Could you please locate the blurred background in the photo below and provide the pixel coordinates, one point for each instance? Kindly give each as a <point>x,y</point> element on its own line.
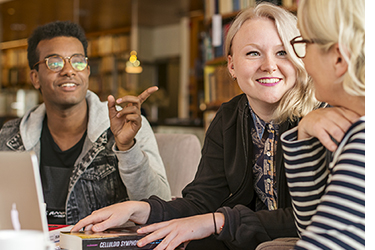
<point>133,44</point>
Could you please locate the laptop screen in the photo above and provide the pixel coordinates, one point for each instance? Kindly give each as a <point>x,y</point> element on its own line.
<point>20,185</point>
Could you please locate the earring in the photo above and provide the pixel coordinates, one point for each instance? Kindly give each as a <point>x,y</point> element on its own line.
<point>233,76</point>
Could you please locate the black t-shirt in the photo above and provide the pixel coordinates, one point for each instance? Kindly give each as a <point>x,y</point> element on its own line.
<point>56,168</point>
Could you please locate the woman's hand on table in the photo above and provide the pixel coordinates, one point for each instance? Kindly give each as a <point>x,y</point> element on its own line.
<point>178,231</point>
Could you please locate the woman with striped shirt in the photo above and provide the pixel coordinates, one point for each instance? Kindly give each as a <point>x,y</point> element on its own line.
<point>329,203</point>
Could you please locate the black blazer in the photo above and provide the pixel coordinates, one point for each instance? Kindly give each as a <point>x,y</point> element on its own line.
<point>225,179</point>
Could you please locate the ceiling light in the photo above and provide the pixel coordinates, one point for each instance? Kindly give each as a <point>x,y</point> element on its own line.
<point>133,66</point>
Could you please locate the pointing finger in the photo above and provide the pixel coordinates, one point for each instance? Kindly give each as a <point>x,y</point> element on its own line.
<point>145,94</point>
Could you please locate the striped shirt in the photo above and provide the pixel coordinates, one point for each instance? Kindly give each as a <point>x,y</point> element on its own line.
<point>329,204</point>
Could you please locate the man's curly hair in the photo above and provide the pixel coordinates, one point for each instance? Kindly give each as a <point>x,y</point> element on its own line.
<point>52,30</point>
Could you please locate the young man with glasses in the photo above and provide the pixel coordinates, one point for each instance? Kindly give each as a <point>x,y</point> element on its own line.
<point>91,154</point>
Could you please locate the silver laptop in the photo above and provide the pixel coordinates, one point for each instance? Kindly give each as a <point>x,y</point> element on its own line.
<point>20,184</point>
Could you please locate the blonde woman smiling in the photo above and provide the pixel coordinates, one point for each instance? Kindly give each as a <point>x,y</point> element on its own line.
<point>239,197</point>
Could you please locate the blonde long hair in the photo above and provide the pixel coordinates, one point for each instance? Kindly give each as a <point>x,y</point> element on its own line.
<point>342,22</point>
<point>299,100</point>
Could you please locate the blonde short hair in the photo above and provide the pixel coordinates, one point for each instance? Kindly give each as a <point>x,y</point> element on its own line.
<point>341,22</point>
<point>299,100</point>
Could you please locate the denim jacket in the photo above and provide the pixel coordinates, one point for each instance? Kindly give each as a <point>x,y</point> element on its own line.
<point>102,175</point>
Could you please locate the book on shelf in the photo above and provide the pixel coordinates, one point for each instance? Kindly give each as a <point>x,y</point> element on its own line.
<point>225,6</point>
<point>121,43</point>
<point>215,49</point>
<point>219,50</point>
<point>108,44</point>
<point>218,85</point>
<point>208,74</point>
<point>114,238</point>
<point>93,47</point>
<point>105,44</point>
<point>107,64</point>
<point>276,2</point>
<point>208,48</point>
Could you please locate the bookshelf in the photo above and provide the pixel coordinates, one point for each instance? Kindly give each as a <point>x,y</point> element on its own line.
<point>107,52</point>
<point>109,49</point>
<point>17,93</point>
<point>196,87</point>
<point>15,69</point>
<point>218,85</point>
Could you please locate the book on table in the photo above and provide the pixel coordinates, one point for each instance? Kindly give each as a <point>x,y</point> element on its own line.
<point>114,238</point>
<point>54,232</point>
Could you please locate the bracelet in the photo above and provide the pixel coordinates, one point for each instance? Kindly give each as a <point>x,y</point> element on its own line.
<point>214,222</point>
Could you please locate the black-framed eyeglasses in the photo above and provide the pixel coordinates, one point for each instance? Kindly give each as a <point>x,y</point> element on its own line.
<point>299,46</point>
<point>56,62</point>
